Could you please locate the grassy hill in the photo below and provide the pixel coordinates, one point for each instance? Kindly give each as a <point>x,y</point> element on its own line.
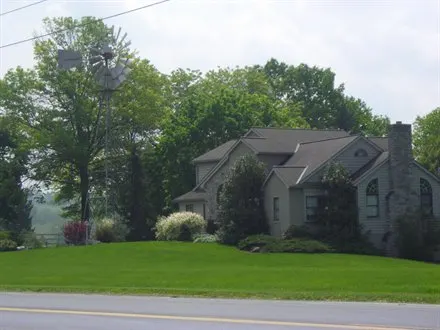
<point>172,268</point>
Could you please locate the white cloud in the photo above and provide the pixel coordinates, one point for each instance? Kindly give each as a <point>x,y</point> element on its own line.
<point>386,52</point>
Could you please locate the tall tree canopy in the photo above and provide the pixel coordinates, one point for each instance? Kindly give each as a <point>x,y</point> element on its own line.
<point>61,110</point>
<point>427,140</point>
<point>15,207</point>
<point>323,104</point>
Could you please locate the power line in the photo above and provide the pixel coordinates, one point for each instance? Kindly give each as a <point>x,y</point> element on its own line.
<point>84,24</point>
<point>20,8</point>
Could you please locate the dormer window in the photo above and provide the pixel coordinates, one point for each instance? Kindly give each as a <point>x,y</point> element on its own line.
<point>361,153</point>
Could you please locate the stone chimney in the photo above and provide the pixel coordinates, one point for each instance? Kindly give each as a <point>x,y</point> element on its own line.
<point>402,197</point>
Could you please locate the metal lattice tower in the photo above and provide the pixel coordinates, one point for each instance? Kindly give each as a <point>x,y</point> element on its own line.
<point>110,68</point>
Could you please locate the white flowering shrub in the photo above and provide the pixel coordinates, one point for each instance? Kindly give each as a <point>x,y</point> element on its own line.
<point>111,230</point>
<point>180,226</point>
<point>205,238</point>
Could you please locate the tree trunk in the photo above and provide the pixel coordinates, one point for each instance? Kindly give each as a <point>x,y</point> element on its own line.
<point>84,189</point>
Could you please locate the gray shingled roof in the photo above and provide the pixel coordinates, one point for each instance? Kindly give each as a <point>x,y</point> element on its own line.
<point>273,140</point>
<point>297,135</point>
<point>215,154</point>
<point>191,196</point>
<point>289,174</point>
<point>381,142</point>
<point>315,154</point>
<point>268,146</point>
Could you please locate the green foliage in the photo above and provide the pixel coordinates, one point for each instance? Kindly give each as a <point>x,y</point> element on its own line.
<point>298,232</point>
<point>111,230</point>
<point>417,237</point>
<point>339,209</point>
<point>5,234</point>
<point>266,243</point>
<point>180,226</point>
<point>205,238</point>
<point>322,103</point>
<point>15,206</point>
<point>7,245</point>
<point>426,140</point>
<point>339,241</point>
<point>209,110</point>
<point>241,206</point>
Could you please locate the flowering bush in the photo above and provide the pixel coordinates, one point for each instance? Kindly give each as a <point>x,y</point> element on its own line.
<point>110,230</point>
<point>75,232</point>
<point>180,226</point>
<point>205,238</point>
<point>7,245</point>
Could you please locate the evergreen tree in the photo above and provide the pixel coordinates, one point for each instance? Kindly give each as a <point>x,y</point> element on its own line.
<point>241,207</point>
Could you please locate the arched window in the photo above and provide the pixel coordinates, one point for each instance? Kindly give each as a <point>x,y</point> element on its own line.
<point>373,199</point>
<point>219,192</point>
<point>426,197</point>
<point>361,153</point>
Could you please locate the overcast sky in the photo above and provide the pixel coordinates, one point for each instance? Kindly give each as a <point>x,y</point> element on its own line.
<point>385,52</point>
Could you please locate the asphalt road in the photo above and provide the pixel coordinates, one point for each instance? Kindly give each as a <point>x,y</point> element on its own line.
<point>60,311</point>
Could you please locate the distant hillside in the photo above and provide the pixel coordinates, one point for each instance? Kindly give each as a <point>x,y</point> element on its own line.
<point>46,217</point>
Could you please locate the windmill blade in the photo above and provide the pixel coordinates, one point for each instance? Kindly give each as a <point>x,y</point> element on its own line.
<point>127,45</point>
<point>95,51</point>
<point>119,32</point>
<point>68,59</point>
<point>97,67</point>
<point>95,59</point>
<point>117,71</point>
<point>123,38</point>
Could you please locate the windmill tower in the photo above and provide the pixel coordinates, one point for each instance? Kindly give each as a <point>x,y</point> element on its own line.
<point>110,69</point>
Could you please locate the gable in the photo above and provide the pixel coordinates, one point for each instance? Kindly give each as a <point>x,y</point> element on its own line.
<point>353,157</point>
<point>216,154</point>
<point>315,155</point>
<point>218,173</point>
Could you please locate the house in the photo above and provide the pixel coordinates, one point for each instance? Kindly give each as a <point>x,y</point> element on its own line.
<point>387,178</point>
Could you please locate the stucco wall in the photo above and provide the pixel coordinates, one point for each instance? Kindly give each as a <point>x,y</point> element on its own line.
<point>297,207</point>
<point>271,160</point>
<point>211,186</point>
<point>276,188</point>
<point>198,207</point>
<point>202,169</point>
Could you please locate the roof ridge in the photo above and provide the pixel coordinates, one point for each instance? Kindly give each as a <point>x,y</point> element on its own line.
<point>330,139</point>
<point>289,166</point>
<point>254,137</point>
<point>300,129</point>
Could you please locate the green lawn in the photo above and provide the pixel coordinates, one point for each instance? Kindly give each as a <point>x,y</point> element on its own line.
<point>217,271</point>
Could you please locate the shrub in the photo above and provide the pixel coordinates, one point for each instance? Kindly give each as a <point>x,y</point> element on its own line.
<point>265,243</point>
<point>205,238</point>
<point>241,207</point>
<point>7,245</point>
<point>31,241</point>
<point>75,232</point>
<point>108,230</point>
<point>417,237</point>
<point>211,227</point>
<point>341,241</point>
<point>180,226</point>
<point>298,232</point>
<point>5,234</point>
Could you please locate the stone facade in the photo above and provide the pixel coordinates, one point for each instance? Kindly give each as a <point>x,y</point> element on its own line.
<point>402,197</point>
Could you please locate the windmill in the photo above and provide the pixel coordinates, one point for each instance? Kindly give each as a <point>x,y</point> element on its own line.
<point>110,69</point>
<point>109,65</point>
